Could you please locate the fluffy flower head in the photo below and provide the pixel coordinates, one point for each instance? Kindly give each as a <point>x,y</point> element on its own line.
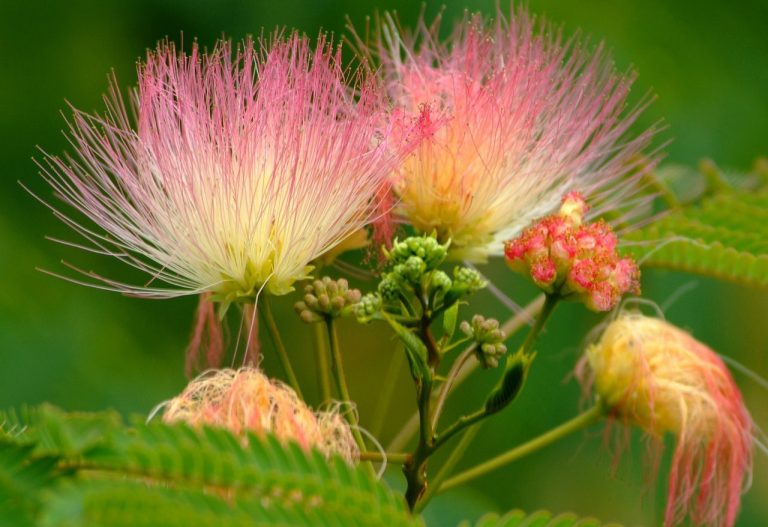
<point>656,376</point>
<point>573,259</point>
<point>512,118</point>
<point>243,166</point>
<point>246,400</point>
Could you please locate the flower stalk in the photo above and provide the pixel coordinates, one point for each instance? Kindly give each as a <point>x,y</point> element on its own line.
<point>282,353</point>
<point>337,368</point>
<point>581,421</point>
<point>510,327</point>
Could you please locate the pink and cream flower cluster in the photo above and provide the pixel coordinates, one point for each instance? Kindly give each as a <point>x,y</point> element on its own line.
<point>513,116</point>
<point>236,169</point>
<point>239,168</point>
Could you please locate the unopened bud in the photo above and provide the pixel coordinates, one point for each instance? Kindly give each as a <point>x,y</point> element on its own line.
<point>426,248</point>
<point>489,339</point>
<point>326,298</point>
<point>468,278</point>
<point>368,306</point>
<point>441,281</point>
<point>574,208</point>
<point>575,260</point>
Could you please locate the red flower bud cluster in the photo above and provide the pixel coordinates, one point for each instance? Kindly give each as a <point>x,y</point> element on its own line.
<point>576,260</point>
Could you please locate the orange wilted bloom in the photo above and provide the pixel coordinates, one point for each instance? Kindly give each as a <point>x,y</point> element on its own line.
<point>246,400</point>
<point>656,376</point>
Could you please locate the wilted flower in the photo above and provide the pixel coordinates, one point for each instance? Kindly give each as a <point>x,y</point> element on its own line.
<point>572,259</point>
<point>245,400</point>
<point>656,376</point>
<point>513,117</point>
<point>239,172</point>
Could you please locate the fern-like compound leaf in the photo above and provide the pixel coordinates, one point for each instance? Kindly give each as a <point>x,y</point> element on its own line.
<point>92,470</point>
<point>518,518</point>
<point>722,233</point>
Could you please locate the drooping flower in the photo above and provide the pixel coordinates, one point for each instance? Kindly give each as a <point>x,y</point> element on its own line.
<point>513,117</point>
<point>575,260</point>
<point>245,400</point>
<point>243,166</point>
<point>654,375</point>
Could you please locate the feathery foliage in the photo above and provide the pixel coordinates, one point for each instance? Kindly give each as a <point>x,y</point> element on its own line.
<point>90,469</point>
<point>518,518</point>
<point>721,232</point>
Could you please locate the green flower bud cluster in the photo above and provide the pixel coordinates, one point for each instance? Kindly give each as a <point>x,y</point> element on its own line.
<point>440,281</point>
<point>489,338</point>
<point>327,298</point>
<point>467,279</point>
<point>414,283</point>
<point>368,306</point>
<point>426,248</point>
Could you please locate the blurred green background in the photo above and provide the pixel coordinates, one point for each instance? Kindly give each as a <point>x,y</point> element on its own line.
<point>86,349</point>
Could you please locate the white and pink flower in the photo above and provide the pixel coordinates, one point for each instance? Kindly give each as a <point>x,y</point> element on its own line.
<point>238,169</point>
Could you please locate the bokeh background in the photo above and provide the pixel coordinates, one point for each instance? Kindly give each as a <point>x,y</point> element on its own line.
<point>85,349</point>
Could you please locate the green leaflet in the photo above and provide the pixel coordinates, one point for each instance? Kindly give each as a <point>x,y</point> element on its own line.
<point>510,385</point>
<point>415,349</point>
<point>723,233</point>
<point>449,321</point>
<point>91,470</point>
<point>517,518</point>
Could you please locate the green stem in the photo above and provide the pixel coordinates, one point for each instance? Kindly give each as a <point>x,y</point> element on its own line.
<point>456,367</point>
<point>390,457</point>
<point>550,301</point>
<point>323,368</point>
<point>583,420</point>
<point>460,424</point>
<point>387,390</point>
<point>436,482</point>
<point>415,469</point>
<point>279,346</point>
<point>510,327</point>
<point>341,381</point>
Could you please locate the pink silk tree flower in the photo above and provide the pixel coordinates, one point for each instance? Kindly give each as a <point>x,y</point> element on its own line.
<point>513,118</point>
<point>241,167</point>
<point>653,375</point>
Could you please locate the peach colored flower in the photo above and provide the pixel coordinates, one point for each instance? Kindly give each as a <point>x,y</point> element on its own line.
<point>655,376</point>
<point>245,400</point>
